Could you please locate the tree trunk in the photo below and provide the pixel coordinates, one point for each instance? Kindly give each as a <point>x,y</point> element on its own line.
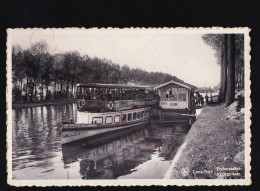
<point>47,92</point>
<point>35,92</point>
<point>243,78</point>
<point>224,69</point>
<point>239,76</point>
<point>21,85</point>
<point>42,92</point>
<point>72,88</point>
<point>230,94</point>
<point>55,88</point>
<point>61,86</point>
<point>26,90</point>
<point>67,89</point>
<point>32,89</point>
<point>236,80</point>
<point>240,79</point>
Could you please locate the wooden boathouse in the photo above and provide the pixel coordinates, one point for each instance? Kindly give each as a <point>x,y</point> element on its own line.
<point>176,95</point>
<point>176,103</point>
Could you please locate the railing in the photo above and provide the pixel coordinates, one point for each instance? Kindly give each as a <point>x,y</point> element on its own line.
<point>114,105</point>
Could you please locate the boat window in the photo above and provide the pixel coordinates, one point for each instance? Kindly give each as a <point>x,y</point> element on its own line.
<point>117,119</point>
<point>97,120</point>
<point>109,120</point>
<point>142,115</point>
<point>138,115</point>
<point>134,116</point>
<point>123,118</point>
<point>130,117</point>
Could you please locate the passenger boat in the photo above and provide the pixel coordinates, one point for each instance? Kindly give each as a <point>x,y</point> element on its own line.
<point>106,108</point>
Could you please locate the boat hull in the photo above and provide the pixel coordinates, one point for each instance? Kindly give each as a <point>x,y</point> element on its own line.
<point>75,132</point>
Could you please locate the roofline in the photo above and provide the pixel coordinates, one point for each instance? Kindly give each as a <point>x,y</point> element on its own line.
<point>178,83</point>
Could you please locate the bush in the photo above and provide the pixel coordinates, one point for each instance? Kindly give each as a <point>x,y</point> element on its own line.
<point>17,94</point>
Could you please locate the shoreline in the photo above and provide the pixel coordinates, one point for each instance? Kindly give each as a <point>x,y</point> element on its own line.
<point>212,149</point>
<point>26,105</point>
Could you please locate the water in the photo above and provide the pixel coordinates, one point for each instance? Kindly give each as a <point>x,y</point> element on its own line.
<point>38,154</point>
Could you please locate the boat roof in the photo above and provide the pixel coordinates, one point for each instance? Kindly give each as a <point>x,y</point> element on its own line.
<point>183,84</point>
<point>99,85</point>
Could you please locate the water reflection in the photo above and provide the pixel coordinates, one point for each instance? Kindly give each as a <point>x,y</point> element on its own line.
<point>36,138</point>
<point>38,154</point>
<point>123,156</point>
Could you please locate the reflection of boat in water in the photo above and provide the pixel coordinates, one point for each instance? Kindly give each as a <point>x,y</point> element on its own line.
<point>121,156</point>
<point>109,160</point>
<point>96,117</point>
<point>105,146</point>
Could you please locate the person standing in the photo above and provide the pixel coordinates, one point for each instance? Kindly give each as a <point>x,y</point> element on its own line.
<point>207,99</point>
<point>193,103</point>
<point>201,100</point>
<point>198,98</point>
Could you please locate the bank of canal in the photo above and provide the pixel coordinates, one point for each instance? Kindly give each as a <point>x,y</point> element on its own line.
<point>214,147</point>
<point>40,104</point>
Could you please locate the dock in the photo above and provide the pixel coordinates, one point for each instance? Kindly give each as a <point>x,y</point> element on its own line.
<point>162,116</point>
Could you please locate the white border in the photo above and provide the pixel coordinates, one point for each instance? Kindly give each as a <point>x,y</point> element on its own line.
<point>132,182</point>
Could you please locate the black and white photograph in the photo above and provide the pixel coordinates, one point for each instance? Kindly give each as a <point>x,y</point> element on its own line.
<point>159,106</point>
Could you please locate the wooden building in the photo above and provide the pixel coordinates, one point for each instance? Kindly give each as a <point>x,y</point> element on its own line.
<point>176,95</point>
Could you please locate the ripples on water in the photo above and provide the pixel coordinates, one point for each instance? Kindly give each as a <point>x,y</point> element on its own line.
<point>38,154</point>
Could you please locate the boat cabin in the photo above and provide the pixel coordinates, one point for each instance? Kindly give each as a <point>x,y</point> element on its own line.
<point>96,97</point>
<point>176,95</point>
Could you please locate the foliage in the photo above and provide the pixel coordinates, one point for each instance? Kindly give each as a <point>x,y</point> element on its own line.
<point>220,45</point>
<point>40,76</point>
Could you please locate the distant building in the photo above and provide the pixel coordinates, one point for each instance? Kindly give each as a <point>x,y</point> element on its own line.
<point>175,95</point>
<point>131,82</point>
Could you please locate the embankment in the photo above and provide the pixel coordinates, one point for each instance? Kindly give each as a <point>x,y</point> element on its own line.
<point>24,105</point>
<point>214,146</point>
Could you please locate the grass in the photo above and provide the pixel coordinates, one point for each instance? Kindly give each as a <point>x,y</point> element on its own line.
<point>212,145</point>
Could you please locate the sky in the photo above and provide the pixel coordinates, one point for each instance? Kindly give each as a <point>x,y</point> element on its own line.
<point>183,55</point>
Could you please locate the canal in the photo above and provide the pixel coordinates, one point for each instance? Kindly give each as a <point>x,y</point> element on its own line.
<point>37,152</point>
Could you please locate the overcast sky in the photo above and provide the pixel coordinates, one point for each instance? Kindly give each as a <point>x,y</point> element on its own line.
<point>185,56</point>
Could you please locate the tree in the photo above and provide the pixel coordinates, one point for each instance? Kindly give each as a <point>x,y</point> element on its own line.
<point>230,95</point>
<point>218,43</point>
<point>223,79</point>
<point>239,41</point>
<point>18,72</point>
<point>125,74</point>
<point>230,54</point>
<point>39,71</point>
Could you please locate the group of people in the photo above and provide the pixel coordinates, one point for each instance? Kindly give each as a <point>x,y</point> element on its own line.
<point>116,94</point>
<point>200,100</point>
